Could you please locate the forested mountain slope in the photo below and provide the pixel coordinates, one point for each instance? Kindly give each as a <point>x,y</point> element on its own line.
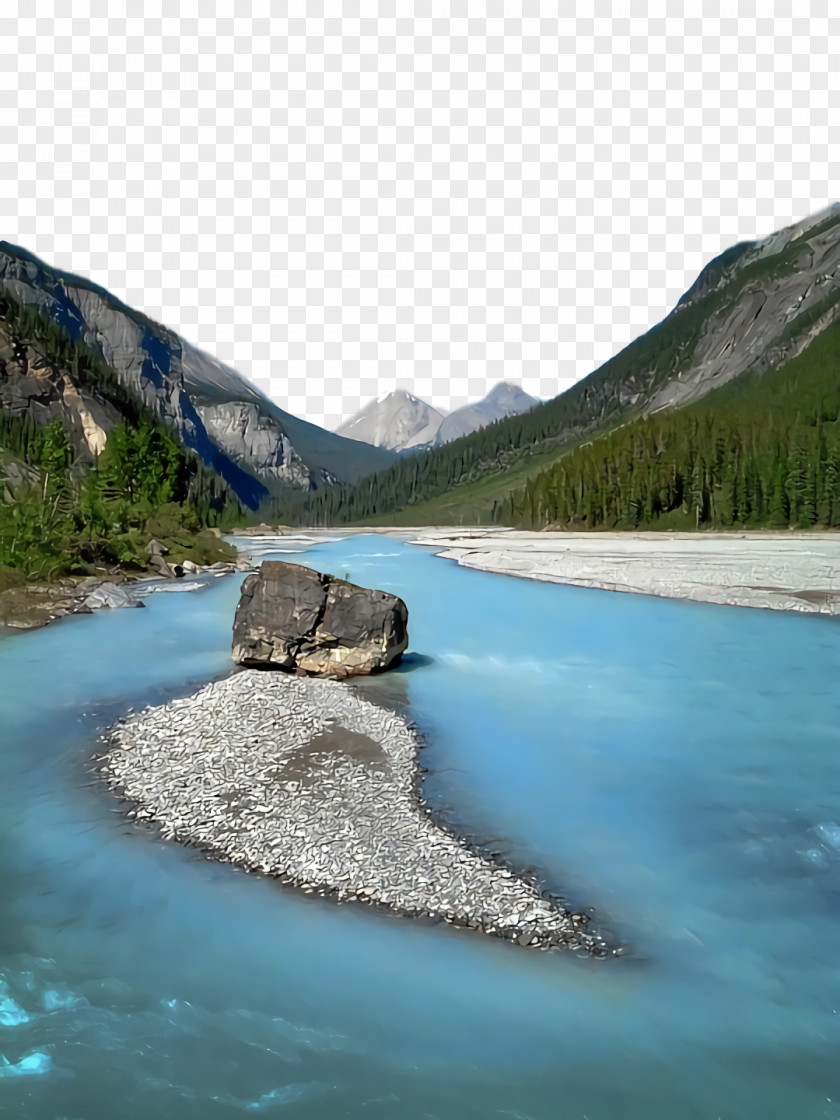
<point>761,451</point>
<point>754,308</point>
<point>253,445</point>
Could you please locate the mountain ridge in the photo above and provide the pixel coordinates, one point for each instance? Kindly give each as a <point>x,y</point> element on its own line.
<point>402,422</point>
<point>243,435</point>
<point>755,307</point>
<point>503,400</point>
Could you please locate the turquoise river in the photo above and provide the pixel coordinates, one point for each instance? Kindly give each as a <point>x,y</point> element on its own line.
<point>673,766</point>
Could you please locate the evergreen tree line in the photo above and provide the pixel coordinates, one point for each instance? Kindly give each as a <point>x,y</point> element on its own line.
<point>71,516</point>
<point>760,452</point>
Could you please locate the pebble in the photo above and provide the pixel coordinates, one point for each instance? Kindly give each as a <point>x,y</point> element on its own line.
<point>268,772</point>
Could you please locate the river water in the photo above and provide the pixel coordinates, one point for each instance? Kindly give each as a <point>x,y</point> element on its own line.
<point>674,766</point>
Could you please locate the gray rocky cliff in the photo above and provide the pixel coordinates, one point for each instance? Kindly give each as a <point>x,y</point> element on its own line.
<point>756,330</point>
<point>243,431</point>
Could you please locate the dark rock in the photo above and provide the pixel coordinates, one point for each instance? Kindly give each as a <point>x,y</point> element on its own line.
<point>290,617</point>
<point>161,567</point>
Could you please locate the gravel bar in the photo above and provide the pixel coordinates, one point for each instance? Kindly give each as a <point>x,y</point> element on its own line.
<point>784,571</point>
<point>305,780</point>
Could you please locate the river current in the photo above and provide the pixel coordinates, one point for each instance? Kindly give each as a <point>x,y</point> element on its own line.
<point>674,766</point>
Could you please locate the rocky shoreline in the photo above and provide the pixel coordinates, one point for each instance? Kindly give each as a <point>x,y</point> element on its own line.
<point>309,782</point>
<point>30,605</point>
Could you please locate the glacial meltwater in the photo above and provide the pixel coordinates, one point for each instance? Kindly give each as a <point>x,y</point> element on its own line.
<point>673,766</point>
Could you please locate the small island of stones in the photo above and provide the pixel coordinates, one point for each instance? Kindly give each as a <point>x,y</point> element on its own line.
<point>308,781</point>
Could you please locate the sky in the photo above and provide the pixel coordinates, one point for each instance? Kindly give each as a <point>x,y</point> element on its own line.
<point>342,199</point>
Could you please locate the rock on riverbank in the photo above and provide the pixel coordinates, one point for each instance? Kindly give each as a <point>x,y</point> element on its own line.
<point>305,780</point>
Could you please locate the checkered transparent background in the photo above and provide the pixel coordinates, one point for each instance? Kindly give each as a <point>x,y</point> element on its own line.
<point>339,199</point>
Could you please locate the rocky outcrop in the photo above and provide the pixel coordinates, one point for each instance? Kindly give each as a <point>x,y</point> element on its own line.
<point>162,568</point>
<point>240,428</point>
<point>33,385</point>
<point>112,596</point>
<point>290,617</point>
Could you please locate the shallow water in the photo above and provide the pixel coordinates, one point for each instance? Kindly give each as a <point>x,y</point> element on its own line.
<point>673,765</point>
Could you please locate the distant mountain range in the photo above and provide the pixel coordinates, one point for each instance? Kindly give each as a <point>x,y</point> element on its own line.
<point>72,354</point>
<point>399,421</point>
<point>256,447</point>
<point>396,421</point>
<point>592,457</point>
<point>502,401</point>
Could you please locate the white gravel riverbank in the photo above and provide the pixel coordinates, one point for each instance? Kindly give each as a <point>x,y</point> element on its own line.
<point>778,571</point>
<point>305,780</point>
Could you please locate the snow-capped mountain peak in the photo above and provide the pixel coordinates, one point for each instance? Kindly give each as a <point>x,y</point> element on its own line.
<point>396,420</point>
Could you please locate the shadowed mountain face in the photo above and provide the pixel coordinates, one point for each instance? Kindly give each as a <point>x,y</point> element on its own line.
<point>255,446</point>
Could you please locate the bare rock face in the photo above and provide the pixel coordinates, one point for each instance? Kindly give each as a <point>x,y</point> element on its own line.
<point>242,430</point>
<point>290,617</point>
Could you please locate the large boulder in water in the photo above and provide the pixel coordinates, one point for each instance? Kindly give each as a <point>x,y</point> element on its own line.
<point>291,617</point>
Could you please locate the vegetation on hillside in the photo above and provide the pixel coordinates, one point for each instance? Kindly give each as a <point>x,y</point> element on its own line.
<point>759,452</point>
<point>26,323</point>
<point>61,512</point>
<point>66,517</point>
